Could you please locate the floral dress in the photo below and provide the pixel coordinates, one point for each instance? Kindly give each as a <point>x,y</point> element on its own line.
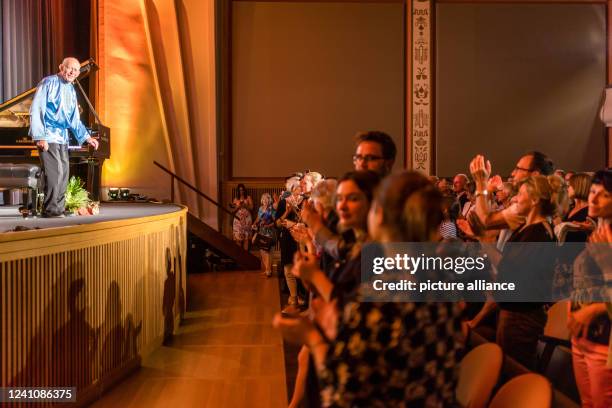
<point>394,354</point>
<point>266,217</point>
<point>242,222</point>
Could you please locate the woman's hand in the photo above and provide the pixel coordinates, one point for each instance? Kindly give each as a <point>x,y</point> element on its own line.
<point>310,215</point>
<point>465,227</point>
<point>600,248</point>
<point>299,232</point>
<point>305,266</point>
<point>480,171</point>
<point>495,183</point>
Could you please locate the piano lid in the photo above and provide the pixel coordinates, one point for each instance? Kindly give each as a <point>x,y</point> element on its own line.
<point>15,113</point>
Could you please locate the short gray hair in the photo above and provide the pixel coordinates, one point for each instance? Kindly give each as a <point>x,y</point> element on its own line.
<point>324,192</point>
<point>292,182</point>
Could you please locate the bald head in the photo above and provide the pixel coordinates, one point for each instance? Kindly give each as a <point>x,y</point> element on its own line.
<point>69,69</point>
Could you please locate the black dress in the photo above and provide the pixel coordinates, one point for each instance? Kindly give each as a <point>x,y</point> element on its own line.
<point>288,246</point>
<point>520,323</point>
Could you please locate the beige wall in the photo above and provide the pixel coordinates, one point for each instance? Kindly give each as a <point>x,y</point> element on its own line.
<point>511,78</point>
<point>198,45</point>
<point>131,107</point>
<point>159,96</point>
<point>306,77</point>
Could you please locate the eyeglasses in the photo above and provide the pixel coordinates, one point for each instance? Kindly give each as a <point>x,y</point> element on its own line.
<point>517,168</point>
<point>366,159</point>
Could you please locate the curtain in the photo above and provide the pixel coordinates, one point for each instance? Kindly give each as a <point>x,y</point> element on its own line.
<point>35,36</point>
<point>21,39</point>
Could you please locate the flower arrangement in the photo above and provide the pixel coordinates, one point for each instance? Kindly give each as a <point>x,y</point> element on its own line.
<point>77,199</point>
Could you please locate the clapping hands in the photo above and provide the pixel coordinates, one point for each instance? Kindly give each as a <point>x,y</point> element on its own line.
<point>480,170</point>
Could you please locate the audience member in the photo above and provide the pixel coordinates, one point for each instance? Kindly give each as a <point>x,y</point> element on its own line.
<point>287,216</point>
<point>375,152</point>
<point>521,324</point>
<point>243,205</point>
<point>460,184</point>
<point>387,354</point>
<point>589,323</point>
<point>265,226</point>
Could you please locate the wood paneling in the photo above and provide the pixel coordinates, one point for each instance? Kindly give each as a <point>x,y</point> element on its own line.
<point>81,306</point>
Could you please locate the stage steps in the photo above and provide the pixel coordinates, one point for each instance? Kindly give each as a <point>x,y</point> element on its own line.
<point>222,244</point>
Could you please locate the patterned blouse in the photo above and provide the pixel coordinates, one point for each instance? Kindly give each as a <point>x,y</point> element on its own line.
<point>590,286</point>
<point>394,354</point>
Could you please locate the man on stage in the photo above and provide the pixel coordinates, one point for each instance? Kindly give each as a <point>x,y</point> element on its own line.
<point>54,111</point>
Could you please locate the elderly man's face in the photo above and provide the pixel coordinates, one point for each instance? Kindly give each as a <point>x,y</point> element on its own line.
<point>459,184</point>
<point>70,69</point>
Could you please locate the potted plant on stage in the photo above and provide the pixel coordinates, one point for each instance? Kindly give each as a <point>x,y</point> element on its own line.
<point>77,199</point>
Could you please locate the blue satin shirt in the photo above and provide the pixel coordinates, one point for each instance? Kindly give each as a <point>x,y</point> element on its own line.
<point>54,110</point>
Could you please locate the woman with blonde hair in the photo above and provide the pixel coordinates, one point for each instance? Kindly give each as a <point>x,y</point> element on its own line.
<point>265,226</point>
<point>578,189</point>
<point>559,198</point>
<point>575,228</point>
<point>520,324</point>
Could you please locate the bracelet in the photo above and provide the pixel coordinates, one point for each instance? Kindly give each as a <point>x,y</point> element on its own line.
<point>481,193</point>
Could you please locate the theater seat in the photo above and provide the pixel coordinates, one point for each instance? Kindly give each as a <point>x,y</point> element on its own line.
<point>525,391</point>
<point>478,373</point>
<point>555,334</point>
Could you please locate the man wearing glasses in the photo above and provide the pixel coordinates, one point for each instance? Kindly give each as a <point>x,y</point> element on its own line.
<point>375,152</point>
<point>530,164</point>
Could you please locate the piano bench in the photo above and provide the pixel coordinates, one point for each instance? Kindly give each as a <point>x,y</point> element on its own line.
<point>25,177</point>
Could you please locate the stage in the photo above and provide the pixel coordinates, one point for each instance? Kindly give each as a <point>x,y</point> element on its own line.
<point>86,298</point>
<point>11,218</point>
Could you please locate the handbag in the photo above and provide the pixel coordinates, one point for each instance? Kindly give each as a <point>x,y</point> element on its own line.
<point>262,241</point>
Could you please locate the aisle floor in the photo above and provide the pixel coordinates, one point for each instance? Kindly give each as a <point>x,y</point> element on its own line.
<point>225,354</point>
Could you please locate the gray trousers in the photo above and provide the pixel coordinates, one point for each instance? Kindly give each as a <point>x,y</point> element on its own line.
<point>56,167</point>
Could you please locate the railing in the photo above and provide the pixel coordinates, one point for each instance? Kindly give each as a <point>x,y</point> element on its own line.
<point>191,187</point>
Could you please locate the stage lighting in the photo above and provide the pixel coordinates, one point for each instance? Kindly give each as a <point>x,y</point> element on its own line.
<point>113,193</point>
<point>124,193</point>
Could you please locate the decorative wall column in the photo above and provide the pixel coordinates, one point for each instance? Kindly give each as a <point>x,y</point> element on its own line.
<point>420,137</point>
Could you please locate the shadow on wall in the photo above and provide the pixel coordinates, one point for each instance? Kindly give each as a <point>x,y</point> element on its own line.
<point>120,337</point>
<point>174,268</point>
<point>78,354</point>
<point>169,298</point>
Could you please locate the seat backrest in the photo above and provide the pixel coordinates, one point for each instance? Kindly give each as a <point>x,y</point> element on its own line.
<point>525,391</point>
<point>556,323</point>
<point>478,373</point>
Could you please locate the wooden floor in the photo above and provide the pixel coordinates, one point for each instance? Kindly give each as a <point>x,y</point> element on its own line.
<point>226,353</point>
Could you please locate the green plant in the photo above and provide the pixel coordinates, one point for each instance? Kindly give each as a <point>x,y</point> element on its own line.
<point>76,195</point>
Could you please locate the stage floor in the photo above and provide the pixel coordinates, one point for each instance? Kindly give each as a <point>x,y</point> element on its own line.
<point>10,217</point>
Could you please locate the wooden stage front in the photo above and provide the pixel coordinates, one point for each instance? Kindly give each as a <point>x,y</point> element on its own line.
<point>84,299</point>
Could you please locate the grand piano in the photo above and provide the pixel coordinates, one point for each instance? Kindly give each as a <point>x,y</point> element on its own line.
<point>85,162</point>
